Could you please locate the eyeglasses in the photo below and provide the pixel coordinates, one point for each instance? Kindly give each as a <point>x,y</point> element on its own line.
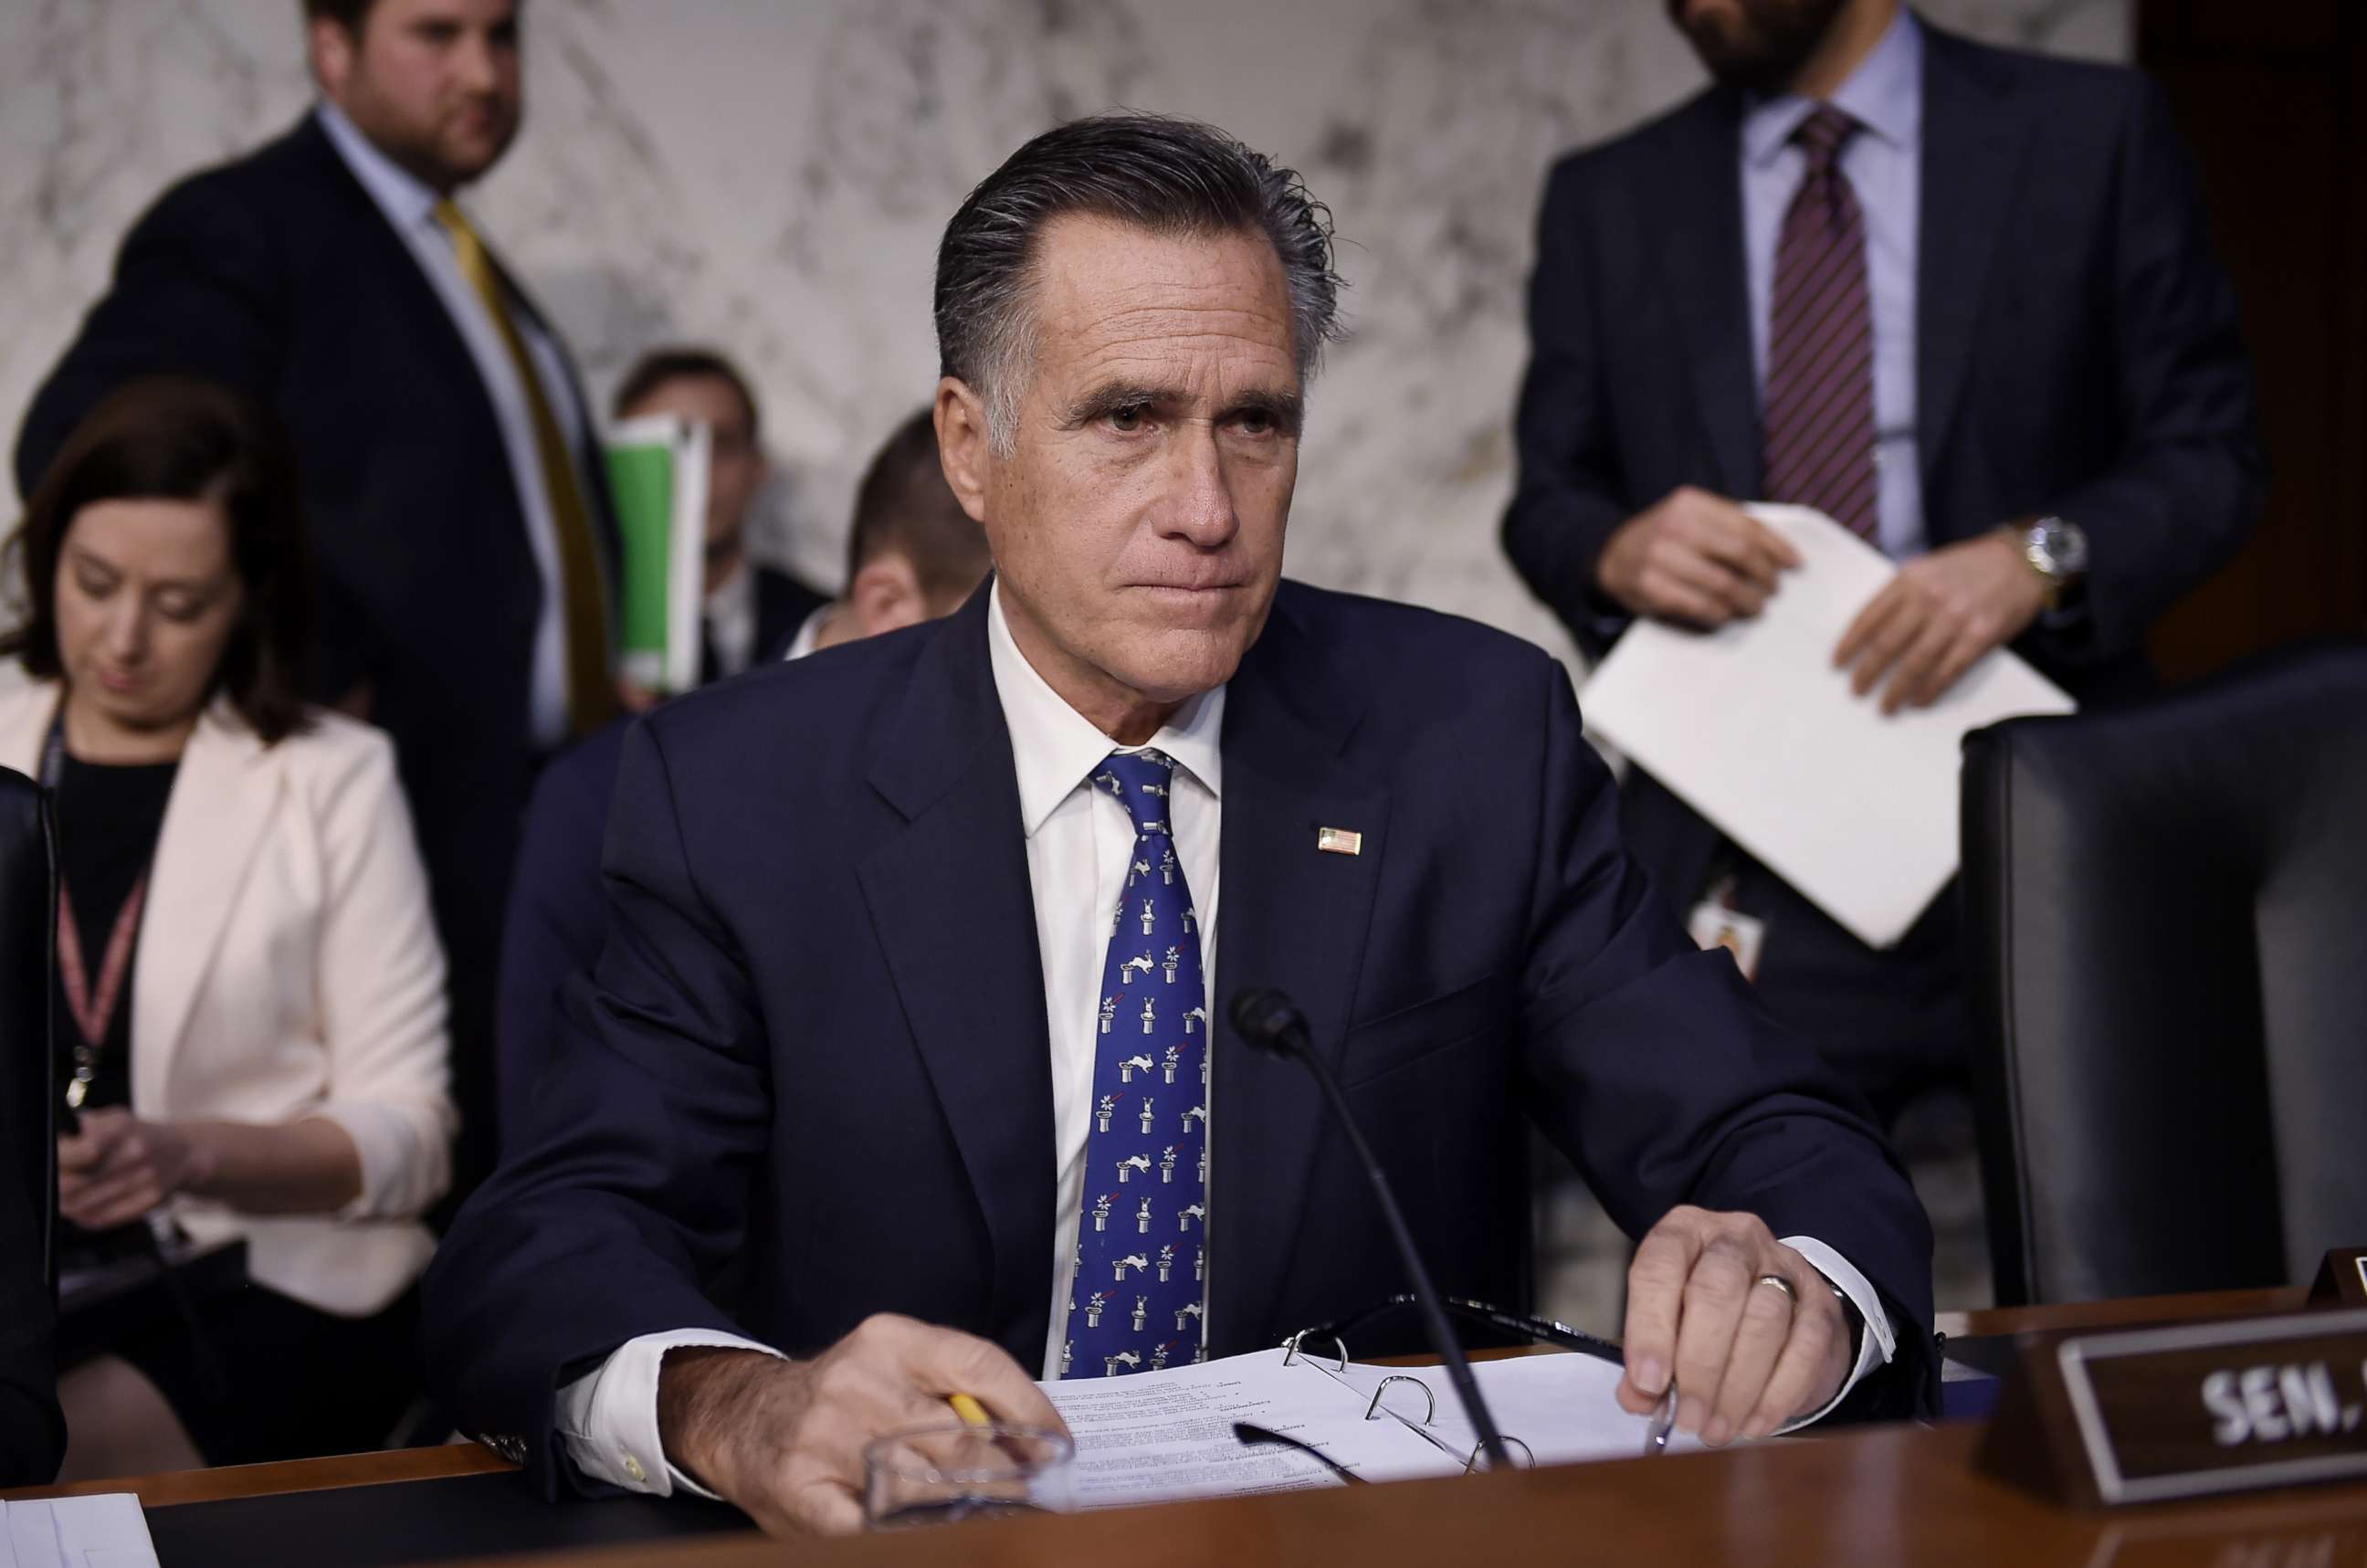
<point>1537,1330</point>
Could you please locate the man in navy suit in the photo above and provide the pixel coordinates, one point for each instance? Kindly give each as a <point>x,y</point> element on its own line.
<point>2011,364</point>
<point>837,1129</point>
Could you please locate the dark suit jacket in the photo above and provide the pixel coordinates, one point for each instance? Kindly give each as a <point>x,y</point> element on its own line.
<point>278,274</point>
<point>2076,354</point>
<point>816,1031</point>
<point>557,913</point>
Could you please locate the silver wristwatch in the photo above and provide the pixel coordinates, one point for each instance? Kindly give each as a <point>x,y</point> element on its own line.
<point>2057,551</point>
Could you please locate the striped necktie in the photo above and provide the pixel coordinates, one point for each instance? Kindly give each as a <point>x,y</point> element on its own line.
<point>1817,419</point>
<point>591,691</point>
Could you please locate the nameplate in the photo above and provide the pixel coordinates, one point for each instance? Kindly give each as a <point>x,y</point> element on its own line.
<point>2144,1416</point>
<point>2342,1278</point>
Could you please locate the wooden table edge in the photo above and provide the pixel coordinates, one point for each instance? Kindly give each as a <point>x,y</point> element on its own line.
<point>173,1488</point>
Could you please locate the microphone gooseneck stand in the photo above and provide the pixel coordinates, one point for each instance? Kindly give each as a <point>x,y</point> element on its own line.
<point>1271,1021</point>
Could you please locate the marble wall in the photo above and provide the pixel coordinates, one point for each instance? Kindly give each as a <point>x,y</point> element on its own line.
<point>771,176</point>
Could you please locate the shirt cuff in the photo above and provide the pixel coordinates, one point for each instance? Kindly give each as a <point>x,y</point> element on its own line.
<point>608,1418</point>
<point>1880,1340</point>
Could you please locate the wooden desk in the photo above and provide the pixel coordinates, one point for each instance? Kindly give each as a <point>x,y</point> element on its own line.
<point>1894,1493</point>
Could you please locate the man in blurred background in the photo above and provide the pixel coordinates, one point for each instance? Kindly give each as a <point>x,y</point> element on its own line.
<point>1959,299</point>
<point>464,538</point>
<point>913,555</point>
<point>750,612</point>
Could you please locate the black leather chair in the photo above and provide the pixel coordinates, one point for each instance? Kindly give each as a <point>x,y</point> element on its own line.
<point>32,1432</point>
<point>28,1138</point>
<point>2166,910</point>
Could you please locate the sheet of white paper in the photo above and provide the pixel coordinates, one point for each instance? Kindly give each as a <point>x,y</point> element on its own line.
<point>1561,1408</point>
<point>106,1530</point>
<point>1153,1437</point>
<point>1754,727</point>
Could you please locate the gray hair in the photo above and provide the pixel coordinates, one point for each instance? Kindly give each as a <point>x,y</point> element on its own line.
<point>1172,177</point>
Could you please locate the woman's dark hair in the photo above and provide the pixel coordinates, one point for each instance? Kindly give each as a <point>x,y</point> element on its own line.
<point>179,439</point>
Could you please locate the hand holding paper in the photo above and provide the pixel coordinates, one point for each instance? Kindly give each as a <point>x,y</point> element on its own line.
<point>1754,727</point>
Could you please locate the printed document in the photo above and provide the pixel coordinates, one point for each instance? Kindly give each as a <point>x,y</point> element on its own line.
<point>103,1531</point>
<point>1156,1436</point>
<point>1754,727</point>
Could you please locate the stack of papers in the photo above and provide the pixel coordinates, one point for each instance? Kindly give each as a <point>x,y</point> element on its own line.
<point>1754,727</point>
<point>103,1531</point>
<point>1156,1436</point>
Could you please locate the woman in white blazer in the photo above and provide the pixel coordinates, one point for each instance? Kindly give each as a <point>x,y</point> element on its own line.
<point>250,1011</point>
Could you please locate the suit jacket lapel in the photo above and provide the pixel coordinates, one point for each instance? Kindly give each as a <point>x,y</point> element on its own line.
<point>952,902</point>
<point>1696,208</point>
<point>1972,158</point>
<point>1290,915</point>
<point>223,802</point>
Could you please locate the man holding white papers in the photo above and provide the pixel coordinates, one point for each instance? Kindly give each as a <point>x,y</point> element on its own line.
<point>1959,299</point>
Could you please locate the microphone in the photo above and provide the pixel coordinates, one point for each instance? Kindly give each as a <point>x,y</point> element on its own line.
<point>1269,1020</point>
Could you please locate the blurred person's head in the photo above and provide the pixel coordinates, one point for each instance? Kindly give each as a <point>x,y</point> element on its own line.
<point>1127,313</point>
<point>913,554</point>
<point>166,561</point>
<point>1760,45</point>
<point>701,386</point>
<point>433,83</point>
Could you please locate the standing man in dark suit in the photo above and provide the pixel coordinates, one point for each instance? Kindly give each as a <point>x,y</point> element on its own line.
<point>1960,299</point>
<point>463,533</point>
<point>911,967</point>
<point>32,1429</point>
<point>750,613</point>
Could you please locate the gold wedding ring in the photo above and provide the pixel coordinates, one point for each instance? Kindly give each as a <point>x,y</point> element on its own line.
<point>1781,1284</point>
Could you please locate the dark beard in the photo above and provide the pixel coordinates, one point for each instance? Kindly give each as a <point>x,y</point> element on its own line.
<point>1762,50</point>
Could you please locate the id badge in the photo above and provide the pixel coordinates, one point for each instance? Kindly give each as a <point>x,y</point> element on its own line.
<point>1712,925</point>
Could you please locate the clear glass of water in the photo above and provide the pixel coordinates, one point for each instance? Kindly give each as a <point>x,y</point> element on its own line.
<point>942,1475</point>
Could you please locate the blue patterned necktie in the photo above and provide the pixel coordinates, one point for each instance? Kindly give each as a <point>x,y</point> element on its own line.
<point>1141,1267</point>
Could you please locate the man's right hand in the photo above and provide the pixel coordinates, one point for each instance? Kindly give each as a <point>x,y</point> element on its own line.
<point>783,1440</point>
<point>1694,557</point>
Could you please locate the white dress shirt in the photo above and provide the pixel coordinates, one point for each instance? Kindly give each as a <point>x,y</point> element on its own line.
<point>410,207</point>
<point>1079,844</point>
<point>729,617</point>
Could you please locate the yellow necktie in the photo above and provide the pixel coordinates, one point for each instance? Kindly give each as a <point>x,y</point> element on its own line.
<point>591,693</point>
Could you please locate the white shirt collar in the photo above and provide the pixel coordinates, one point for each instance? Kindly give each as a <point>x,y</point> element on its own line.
<point>1057,749</point>
<point>406,201</point>
<point>1884,95</point>
<point>809,636</point>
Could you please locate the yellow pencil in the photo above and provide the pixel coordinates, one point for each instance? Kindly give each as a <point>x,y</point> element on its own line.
<point>972,1412</point>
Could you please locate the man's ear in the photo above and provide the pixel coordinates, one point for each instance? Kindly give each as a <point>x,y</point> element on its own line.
<point>333,49</point>
<point>964,446</point>
<point>885,596</point>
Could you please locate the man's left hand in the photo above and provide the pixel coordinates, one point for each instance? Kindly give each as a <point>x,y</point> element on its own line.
<point>1748,1357</point>
<point>1938,615</point>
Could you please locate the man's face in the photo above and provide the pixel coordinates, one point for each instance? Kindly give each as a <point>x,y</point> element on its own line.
<point>1136,526</point>
<point>1755,44</point>
<point>433,83</point>
<point>736,465</point>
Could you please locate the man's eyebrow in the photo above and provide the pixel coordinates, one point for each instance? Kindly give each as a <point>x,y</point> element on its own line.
<point>1283,408</point>
<point>1287,410</point>
<point>1105,400</point>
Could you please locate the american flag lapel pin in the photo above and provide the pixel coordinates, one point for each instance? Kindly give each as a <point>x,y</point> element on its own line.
<point>1338,841</point>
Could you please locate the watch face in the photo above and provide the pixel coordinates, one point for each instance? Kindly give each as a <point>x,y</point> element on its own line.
<point>2063,545</point>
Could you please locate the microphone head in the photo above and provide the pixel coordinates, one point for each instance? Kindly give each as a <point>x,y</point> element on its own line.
<point>1268,1019</point>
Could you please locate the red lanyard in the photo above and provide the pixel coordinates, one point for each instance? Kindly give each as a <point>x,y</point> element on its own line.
<point>95,1009</point>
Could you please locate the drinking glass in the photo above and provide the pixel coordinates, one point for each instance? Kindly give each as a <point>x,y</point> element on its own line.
<point>948,1474</point>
